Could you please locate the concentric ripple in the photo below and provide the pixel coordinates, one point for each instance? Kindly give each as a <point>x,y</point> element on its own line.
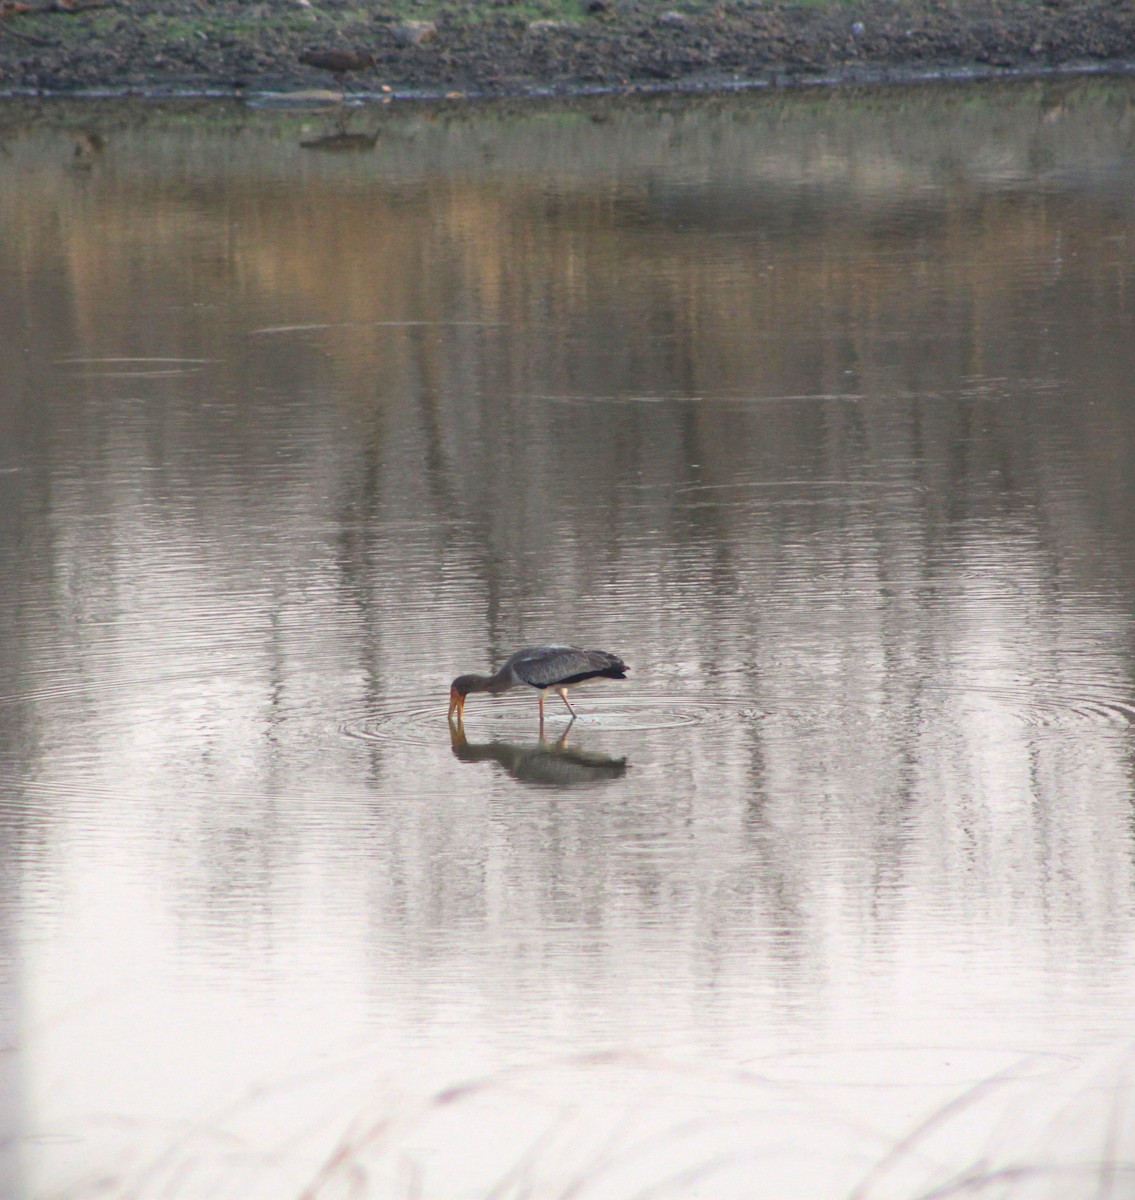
<point>1038,708</point>
<point>406,720</point>
<point>419,724</point>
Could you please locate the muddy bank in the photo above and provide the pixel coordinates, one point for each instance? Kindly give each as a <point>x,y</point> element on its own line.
<point>206,46</point>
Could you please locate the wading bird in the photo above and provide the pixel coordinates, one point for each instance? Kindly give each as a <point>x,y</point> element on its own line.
<point>545,668</point>
<point>338,62</point>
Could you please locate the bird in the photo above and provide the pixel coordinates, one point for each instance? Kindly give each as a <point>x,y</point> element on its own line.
<point>338,62</point>
<point>545,668</point>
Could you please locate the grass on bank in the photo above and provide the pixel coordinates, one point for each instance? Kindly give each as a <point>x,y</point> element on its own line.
<point>237,21</point>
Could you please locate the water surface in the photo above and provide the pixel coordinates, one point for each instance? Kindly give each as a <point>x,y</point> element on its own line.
<point>817,409</point>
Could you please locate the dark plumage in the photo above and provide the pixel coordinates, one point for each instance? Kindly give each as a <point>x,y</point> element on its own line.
<point>338,62</point>
<point>545,668</point>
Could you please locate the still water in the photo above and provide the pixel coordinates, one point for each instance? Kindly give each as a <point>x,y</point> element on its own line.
<point>818,409</point>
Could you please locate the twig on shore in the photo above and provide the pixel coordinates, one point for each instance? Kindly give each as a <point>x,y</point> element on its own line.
<point>11,9</point>
<point>17,9</point>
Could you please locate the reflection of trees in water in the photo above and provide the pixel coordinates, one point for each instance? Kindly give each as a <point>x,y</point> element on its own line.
<point>825,429</point>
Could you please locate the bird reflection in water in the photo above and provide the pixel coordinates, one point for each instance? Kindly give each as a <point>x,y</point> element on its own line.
<point>341,142</point>
<point>554,764</point>
<point>88,147</point>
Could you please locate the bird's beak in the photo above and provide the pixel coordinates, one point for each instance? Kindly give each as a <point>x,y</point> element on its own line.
<point>456,704</point>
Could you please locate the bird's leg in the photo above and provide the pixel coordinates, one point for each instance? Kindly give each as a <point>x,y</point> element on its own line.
<point>563,697</point>
<point>541,695</point>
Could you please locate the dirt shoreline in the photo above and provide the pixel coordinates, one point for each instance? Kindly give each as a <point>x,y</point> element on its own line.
<point>206,47</point>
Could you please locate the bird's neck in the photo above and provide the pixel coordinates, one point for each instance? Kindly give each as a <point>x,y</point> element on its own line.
<point>493,684</point>
<point>500,682</point>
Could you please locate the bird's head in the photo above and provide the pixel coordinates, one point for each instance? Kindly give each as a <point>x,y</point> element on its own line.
<point>458,690</point>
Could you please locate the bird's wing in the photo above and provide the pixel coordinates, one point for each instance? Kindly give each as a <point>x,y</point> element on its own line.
<point>547,666</point>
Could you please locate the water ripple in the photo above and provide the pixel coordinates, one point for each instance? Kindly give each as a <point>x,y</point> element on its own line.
<point>418,724</point>
<point>406,720</point>
<point>120,367</point>
<point>1036,708</point>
